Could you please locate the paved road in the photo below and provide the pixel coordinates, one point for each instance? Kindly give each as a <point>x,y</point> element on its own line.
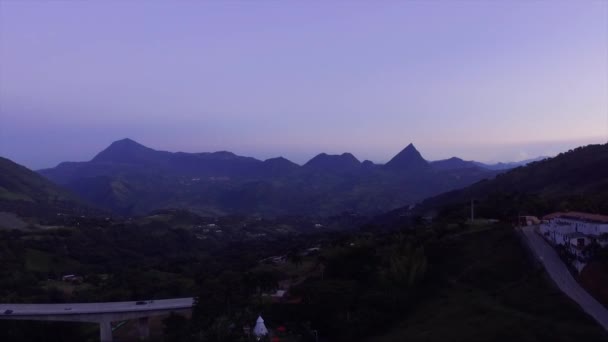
<point>558,271</point>
<point>94,308</point>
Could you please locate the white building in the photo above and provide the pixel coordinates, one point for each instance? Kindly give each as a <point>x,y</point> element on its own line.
<point>575,231</point>
<point>556,226</point>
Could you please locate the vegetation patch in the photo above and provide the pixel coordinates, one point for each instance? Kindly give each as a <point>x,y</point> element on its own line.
<point>482,288</point>
<point>43,262</point>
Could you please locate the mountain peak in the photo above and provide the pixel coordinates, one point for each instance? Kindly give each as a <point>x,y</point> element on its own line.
<point>126,143</point>
<point>279,160</point>
<point>408,159</point>
<point>279,166</point>
<point>334,162</point>
<point>124,150</point>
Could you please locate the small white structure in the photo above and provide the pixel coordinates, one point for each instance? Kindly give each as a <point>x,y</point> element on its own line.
<point>278,294</point>
<point>260,330</point>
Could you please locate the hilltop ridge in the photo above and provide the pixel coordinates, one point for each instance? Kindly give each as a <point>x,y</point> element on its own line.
<point>129,178</point>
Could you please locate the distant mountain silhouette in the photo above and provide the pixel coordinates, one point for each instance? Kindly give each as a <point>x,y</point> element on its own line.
<point>129,178</point>
<point>511,165</point>
<point>334,163</point>
<point>453,163</point>
<point>409,159</point>
<point>368,164</point>
<point>279,167</point>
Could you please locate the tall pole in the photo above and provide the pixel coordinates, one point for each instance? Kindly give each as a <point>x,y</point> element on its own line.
<point>472,210</point>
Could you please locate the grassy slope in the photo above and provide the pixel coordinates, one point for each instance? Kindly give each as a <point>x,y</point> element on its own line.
<point>20,183</point>
<point>484,287</point>
<point>28,194</point>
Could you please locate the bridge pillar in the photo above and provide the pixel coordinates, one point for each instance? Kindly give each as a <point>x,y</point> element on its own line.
<point>143,328</point>
<point>105,331</point>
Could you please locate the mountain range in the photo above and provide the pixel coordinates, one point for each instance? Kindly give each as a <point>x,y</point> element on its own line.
<point>129,179</point>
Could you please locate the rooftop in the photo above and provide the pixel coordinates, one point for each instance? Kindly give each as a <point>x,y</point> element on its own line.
<point>578,216</point>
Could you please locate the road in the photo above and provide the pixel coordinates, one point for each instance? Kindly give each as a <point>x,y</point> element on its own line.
<point>94,308</point>
<point>560,274</point>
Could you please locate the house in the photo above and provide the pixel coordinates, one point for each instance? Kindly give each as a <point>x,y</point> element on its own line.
<point>557,225</point>
<point>278,294</point>
<point>578,240</point>
<point>575,231</point>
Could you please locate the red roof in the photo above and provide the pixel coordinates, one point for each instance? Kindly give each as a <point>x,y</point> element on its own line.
<point>578,216</point>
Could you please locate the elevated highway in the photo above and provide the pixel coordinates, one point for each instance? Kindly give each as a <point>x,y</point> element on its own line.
<point>101,313</point>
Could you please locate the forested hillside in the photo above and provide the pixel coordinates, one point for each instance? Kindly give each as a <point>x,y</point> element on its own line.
<point>27,193</point>
<point>574,180</point>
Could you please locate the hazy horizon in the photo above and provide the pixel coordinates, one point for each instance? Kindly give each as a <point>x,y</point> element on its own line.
<point>544,149</point>
<point>485,81</point>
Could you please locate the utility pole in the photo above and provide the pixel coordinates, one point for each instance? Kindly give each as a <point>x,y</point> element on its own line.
<point>472,210</point>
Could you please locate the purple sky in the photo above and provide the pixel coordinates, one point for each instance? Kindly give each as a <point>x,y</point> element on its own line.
<point>484,80</point>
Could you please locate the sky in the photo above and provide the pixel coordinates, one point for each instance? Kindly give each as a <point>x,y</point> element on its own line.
<point>484,80</point>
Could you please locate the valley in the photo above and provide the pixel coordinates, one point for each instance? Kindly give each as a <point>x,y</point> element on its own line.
<point>341,277</point>
<point>303,171</point>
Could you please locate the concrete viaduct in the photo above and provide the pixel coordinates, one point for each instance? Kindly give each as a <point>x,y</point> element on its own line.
<point>101,313</point>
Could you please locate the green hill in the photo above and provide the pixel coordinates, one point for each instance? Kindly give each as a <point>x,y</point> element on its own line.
<point>27,193</point>
<point>18,183</point>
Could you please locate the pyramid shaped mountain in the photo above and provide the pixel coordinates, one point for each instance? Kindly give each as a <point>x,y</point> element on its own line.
<point>409,159</point>
<point>338,163</point>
